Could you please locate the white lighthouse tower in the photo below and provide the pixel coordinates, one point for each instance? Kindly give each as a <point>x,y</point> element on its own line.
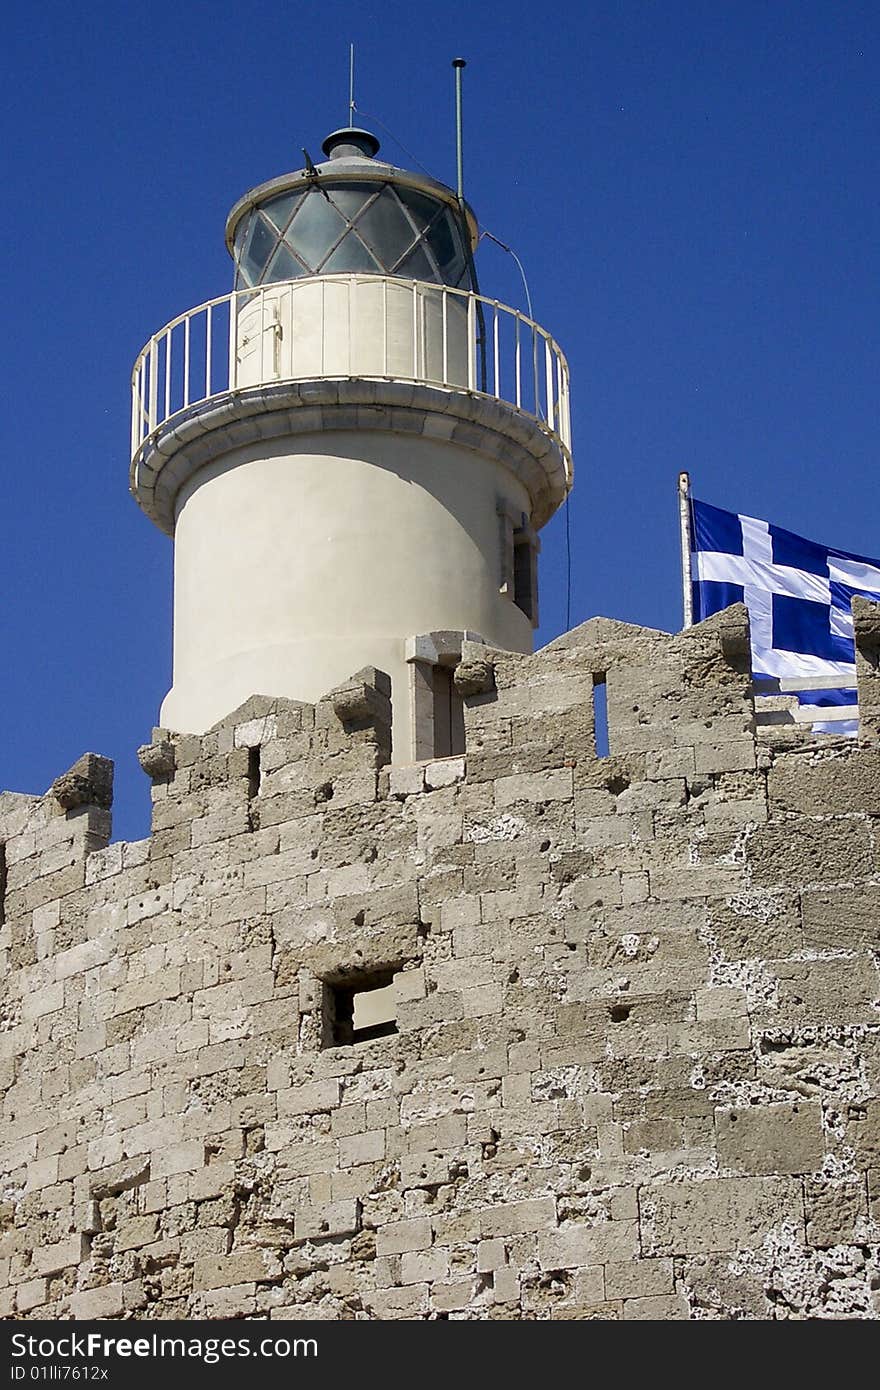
<point>354,451</point>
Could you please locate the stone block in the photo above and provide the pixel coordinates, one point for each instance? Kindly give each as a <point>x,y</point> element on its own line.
<point>186,1157</point>
<point>330,1219</point>
<point>716,1214</point>
<point>132,1234</point>
<point>805,851</point>
<point>769,1139</point>
<point>362,1148</point>
<point>401,1237</point>
<point>407,780</point>
<point>836,1212</point>
<point>309,1098</point>
<point>105,1302</point>
<point>658,1308</point>
<point>556,785</point>
<point>52,1259</point>
<point>638,1279</point>
<point>238,1267</point>
<point>444,773</point>
<point>577,1245</point>
<point>514,1218</point>
<point>842,918</point>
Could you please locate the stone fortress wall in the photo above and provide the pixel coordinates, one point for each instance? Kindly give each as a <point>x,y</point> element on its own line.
<point>630,1055</point>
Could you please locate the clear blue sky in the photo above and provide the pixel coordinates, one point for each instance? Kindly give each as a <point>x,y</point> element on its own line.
<point>692,186</point>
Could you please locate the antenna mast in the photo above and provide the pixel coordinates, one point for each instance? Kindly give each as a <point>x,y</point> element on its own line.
<point>458,64</point>
<point>351,84</point>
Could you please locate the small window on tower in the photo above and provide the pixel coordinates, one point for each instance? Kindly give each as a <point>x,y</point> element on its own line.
<point>519,546</point>
<point>525,575</point>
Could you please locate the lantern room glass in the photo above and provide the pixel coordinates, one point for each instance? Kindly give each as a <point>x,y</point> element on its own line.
<point>335,227</point>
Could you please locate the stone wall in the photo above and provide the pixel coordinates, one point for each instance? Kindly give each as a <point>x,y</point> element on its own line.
<point>635,1072</point>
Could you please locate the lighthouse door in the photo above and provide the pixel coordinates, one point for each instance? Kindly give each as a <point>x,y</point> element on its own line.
<point>258,340</point>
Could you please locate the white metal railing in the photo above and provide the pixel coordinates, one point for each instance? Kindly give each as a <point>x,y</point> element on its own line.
<point>332,326</point>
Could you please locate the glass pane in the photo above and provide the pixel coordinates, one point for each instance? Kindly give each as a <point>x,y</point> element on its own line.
<point>283,266</point>
<point>350,197</point>
<point>423,208</point>
<point>386,229</point>
<point>280,210</point>
<point>417,266</point>
<point>314,229</point>
<point>445,243</point>
<point>241,232</point>
<point>260,245</point>
<point>350,254</point>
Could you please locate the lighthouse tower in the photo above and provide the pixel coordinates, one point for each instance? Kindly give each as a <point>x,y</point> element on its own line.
<point>354,451</point>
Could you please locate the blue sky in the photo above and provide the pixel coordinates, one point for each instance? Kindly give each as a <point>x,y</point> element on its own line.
<point>692,188</point>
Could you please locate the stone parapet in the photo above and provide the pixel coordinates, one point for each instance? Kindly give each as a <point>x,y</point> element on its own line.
<point>626,1059</point>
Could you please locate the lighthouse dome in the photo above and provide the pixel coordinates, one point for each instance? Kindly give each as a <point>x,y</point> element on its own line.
<point>351,214</point>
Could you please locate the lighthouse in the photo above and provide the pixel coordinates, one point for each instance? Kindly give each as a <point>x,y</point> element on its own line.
<point>354,451</point>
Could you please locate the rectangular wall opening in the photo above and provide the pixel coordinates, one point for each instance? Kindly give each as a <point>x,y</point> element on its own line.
<point>525,575</point>
<point>254,772</point>
<point>600,715</point>
<point>448,714</point>
<point>360,1008</point>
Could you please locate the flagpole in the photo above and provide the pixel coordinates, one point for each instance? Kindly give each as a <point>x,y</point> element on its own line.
<point>684,516</point>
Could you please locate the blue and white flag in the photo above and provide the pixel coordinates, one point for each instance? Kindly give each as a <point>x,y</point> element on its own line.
<point>799,598</point>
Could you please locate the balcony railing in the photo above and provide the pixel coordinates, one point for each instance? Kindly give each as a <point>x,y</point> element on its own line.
<point>362,326</point>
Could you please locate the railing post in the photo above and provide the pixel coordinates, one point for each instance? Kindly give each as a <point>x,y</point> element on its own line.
<point>167,374</point>
<point>496,354</point>
<point>323,324</point>
<point>472,342</point>
<point>262,334</point>
<point>135,401</point>
<point>153,408</point>
<point>208,352</point>
<point>444,311</point>
<point>548,371</point>
<point>516,359</point>
<point>564,422</point>
<point>186,354</point>
<point>537,393</point>
<point>352,315</point>
<point>292,338</point>
<point>233,314</point>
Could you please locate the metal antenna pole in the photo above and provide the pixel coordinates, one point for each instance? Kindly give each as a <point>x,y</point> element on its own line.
<point>351,84</point>
<point>458,64</point>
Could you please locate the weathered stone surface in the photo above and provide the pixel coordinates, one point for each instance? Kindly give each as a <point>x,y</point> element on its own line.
<point>686,1218</point>
<point>630,1058</point>
<point>88,783</point>
<point>474,677</point>
<point>842,918</point>
<point>157,759</point>
<point>770,1139</point>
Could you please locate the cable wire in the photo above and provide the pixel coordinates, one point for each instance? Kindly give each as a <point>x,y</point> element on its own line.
<point>409,154</point>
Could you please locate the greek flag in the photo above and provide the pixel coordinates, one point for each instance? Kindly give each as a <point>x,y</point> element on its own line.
<point>799,598</point>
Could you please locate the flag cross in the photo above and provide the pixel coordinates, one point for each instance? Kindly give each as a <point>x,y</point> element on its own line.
<point>760,577</point>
